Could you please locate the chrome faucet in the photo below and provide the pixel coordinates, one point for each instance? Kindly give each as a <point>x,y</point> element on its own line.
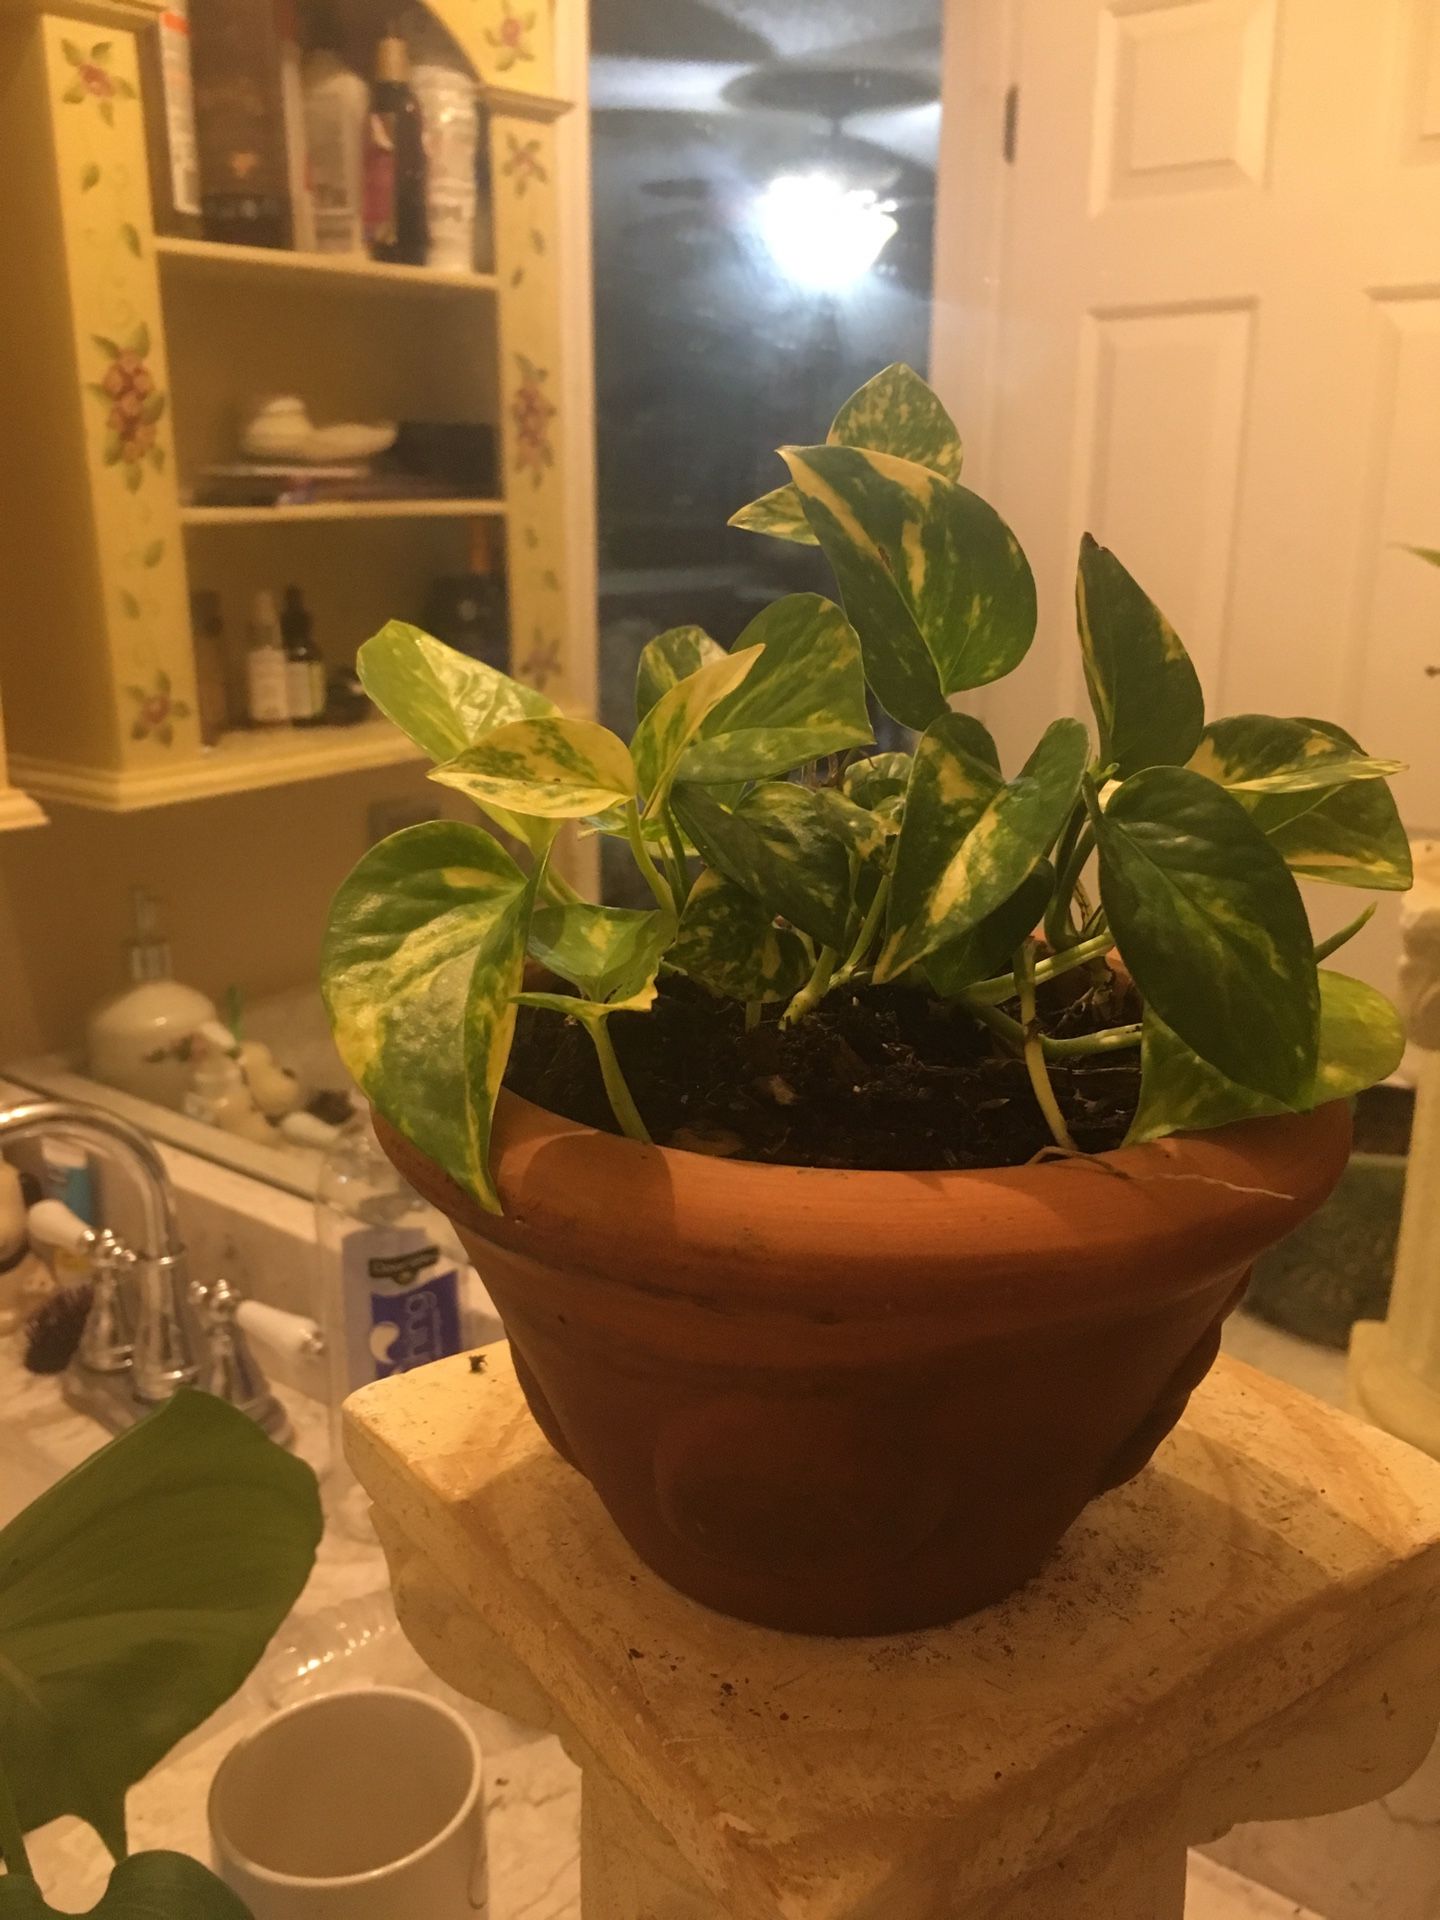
<point>165,1346</point>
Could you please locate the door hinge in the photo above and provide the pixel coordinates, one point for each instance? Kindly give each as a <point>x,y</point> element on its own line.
<point>1012,123</point>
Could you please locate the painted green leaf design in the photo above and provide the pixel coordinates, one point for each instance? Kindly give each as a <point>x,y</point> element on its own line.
<point>935,582</point>
<point>987,950</point>
<point>139,340</point>
<point>136,1594</point>
<point>72,53</point>
<point>729,942</point>
<point>783,845</point>
<point>803,698</point>
<point>1144,691</point>
<point>549,769</point>
<point>1361,1043</point>
<point>89,177</point>
<point>970,839</point>
<point>670,658</point>
<point>130,607</point>
<point>153,554</point>
<point>609,953</point>
<point>1211,925</point>
<point>1349,835</point>
<point>146,1886</point>
<point>423,955</point>
<point>443,700</point>
<point>131,236</point>
<point>675,719</point>
<point>780,513</point>
<point>1429,554</point>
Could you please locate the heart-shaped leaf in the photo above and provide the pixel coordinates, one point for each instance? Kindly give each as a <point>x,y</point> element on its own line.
<point>670,658</point>
<point>936,584</point>
<point>1144,690</point>
<point>1257,753</point>
<point>677,716</point>
<point>549,769</point>
<point>879,783</point>
<point>1361,1043</point>
<point>804,697</point>
<point>730,943</point>
<point>442,699</point>
<point>147,1886</point>
<point>423,954</point>
<point>135,1596</point>
<point>609,953</point>
<point>971,840</point>
<point>784,846</point>
<point>988,949</point>
<point>1211,925</point>
<point>780,513</point>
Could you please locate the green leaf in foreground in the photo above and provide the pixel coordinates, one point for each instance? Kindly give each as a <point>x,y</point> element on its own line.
<point>730,943</point>
<point>1144,690</point>
<point>135,1597</point>
<point>1212,927</point>
<point>780,513</point>
<point>442,699</point>
<point>989,949</point>
<point>670,658</point>
<point>1361,1043</point>
<point>609,953</point>
<point>550,769</point>
<point>147,1886</point>
<point>424,952</point>
<point>970,839</point>
<point>783,845</point>
<point>677,716</point>
<point>1257,753</point>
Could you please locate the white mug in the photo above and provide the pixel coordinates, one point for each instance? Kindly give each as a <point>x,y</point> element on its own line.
<point>360,1805</point>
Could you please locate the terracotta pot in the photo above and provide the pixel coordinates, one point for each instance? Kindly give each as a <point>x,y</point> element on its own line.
<point>866,1402</point>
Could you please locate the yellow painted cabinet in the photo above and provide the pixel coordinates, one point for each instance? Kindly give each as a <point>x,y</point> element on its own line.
<point>133,357</point>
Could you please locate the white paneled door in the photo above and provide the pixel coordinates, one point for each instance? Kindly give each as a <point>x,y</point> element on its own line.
<point>1197,311</point>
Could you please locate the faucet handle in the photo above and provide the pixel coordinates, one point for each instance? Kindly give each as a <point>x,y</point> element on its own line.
<point>230,1371</point>
<point>53,1224</point>
<point>107,1343</point>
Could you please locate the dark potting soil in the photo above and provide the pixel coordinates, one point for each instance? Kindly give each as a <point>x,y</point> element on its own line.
<point>876,1077</point>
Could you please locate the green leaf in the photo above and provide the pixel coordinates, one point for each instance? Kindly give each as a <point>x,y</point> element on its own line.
<point>1144,691</point>
<point>988,949</point>
<point>443,700</point>
<point>677,716</point>
<point>72,53</point>
<point>130,607</point>
<point>131,236</point>
<point>1361,1043</point>
<point>609,953</point>
<point>423,954</point>
<point>783,845</point>
<point>729,942</point>
<point>879,783</point>
<point>1348,836</point>
<point>89,177</point>
<point>1430,554</point>
<point>134,477</point>
<point>139,340</point>
<point>153,408</point>
<point>135,1597</point>
<point>592,1013</point>
<point>153,554</point>
<point>110,348</point>
<point>102,53</point>
<point>1211,925</point>
<point>780,513</point>
<point>1256,753</point>
<point>553,769</point>
<point>940,593</point>
<point>971,840</point>
<point>147,1886</point>
<point>668,659</point>
<point>803,698</point>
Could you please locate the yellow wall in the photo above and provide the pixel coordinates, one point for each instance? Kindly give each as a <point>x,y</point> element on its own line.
<point>244,881</point>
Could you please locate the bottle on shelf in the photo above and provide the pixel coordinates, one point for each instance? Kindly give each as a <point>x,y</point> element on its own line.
<point>304,665</point>
<point>168,87</point>
<point>208,631</point>
<point>445,88</point>
<point>235,48</point>
<point>337,106</point>
<point>292,109</point>
<point>396,225</point>
<point>467,610</point>
<point>267,679</point>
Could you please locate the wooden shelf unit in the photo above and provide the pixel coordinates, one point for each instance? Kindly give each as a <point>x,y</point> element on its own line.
<point>137,354</point>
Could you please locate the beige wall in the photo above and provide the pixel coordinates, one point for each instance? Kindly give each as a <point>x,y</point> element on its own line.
<point>244,883</point>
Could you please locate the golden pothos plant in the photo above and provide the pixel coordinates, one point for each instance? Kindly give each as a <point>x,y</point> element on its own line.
<point>937,869</point>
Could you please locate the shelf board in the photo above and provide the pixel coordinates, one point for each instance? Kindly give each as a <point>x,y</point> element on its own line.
<point>319,269</point>
<point>339,510</point>
<point>18,810</point>
<point>242,762</point>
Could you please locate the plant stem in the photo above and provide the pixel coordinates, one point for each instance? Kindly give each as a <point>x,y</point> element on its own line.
<point>814,989</point>
<point>1035,1050</point>
<point>12,1839</point>
<point>752,1015</point>
<point>1325,948</point>
<point>677,855</point>
<point>867,932</point>
<point>1005,986</point>
<point>622,1103</point>
<point>1108,1040</point>
<point>651,874</point>
<point>560,890</point>
<point>1059,921</point>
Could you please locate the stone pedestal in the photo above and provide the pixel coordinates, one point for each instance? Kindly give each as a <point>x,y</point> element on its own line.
<point>1249,1631</point>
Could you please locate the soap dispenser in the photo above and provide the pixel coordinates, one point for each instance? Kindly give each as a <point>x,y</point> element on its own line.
<point>140,1040</point>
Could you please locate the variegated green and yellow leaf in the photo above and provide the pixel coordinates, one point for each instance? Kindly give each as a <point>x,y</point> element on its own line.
<point>783,845</point>
<point>936,584</point>
<point>1257,753</point>
<point>442,699</point>
<point>1361,1043</point>
<point>879,783</point>
<point>780,513</point>
<point>553,769</point>
<point>1211,925</point>
<point>804,697</point>
<point>988,950</point>
<point>1144,691</point>
<point>424,951</point>
<point>970,839</point>
<point>730,943</point>
<point>677,716</point>
<point>592,1013</point>
<point>609,953</point>
<point>670,658</point>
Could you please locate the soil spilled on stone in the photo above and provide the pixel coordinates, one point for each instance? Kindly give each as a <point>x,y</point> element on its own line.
<point>877,1077</point>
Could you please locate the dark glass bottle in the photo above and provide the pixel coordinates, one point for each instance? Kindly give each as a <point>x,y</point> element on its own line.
<point>397,227</point>
<point>304,667</point>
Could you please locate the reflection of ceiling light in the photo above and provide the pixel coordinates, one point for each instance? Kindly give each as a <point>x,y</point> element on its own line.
<point>820,233</point>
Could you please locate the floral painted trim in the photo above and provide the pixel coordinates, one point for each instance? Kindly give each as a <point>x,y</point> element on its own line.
<point>156,710</point>
<point>524,164</point>
<point>542,663</point>
<point>93,79</point>
<point>134,404</point>
<point>512,42</point>
<point>532,413</point>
